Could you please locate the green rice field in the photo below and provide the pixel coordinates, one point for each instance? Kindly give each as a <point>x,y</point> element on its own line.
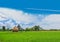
<point>30,36</point>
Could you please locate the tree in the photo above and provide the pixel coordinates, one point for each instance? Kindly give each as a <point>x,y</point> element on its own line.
<point>7,29</point>
<point>19,27</point>
<point>27,29</point>
<point>37,28</point>
<point>3,28</point>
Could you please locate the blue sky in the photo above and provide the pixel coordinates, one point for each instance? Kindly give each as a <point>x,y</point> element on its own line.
<point>45,13</point>
<point>39,4</point>
<point>21,4</point>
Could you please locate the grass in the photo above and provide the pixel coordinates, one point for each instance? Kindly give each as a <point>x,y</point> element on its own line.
<point>30,36</point>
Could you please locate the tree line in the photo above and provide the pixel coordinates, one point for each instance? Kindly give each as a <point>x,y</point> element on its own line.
<point>34,28</point>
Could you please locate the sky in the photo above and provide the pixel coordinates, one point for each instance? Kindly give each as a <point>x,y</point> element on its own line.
<point>27,13</point>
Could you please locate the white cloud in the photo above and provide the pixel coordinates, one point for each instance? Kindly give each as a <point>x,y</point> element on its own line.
<point>19,16</point>
<point>27,20</point>
<point>51,22</point>
<point>43,9</point>
<point>2,17</point>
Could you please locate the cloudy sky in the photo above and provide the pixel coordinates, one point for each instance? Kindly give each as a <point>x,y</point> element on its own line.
<point>27,13</point>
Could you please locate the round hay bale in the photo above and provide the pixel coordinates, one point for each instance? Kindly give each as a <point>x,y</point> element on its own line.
<point>15,29</point>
